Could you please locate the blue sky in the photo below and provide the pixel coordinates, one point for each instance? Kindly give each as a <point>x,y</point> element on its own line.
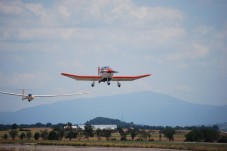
<point>182,43</point>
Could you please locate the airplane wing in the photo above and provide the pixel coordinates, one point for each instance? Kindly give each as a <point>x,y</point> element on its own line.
<point>82,78</point>
<point>11,93</point>
<point>128,78</point>
<point>81,93</point>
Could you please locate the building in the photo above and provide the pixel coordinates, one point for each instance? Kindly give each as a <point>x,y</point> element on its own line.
<point>95,127</point>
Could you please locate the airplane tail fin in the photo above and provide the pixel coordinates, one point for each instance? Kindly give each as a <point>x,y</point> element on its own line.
<point>98,71</point>
<point>23,96</point>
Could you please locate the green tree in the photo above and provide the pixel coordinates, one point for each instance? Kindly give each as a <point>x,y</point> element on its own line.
<point>210,134</point>
<point>160,136</point>
<point>60,131</point>
<point>22,136</point>
<point>206,134</point>
<point>29,135</point>
<point>79,133</point>
<point>88,131</point>
<point>70,134</point>
<point>5,136</point>
<point>69,126</point>
<point>123,134</point>
<point>14,126</point>
<point>53,135</point>
<point>149,134</point>
<point>44,134</point>
<point>13,133</point>
<point>107,133</point>
<point>98,133</point>
<point>37,135</point>
<point>169,132</point>
<point>133,132</point>
<point>194,135</point>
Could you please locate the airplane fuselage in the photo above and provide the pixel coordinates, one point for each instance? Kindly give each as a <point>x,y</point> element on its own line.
<point>106,74</point>
<point>29,97</point>
<point>106,77</point>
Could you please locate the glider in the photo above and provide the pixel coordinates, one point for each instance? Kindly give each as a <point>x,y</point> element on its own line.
<point>30,97</point>
<point>105,74</point>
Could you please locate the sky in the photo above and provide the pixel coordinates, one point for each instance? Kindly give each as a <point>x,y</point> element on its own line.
<point>183,44</point>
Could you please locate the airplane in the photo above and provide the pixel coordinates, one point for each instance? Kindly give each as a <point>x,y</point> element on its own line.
<point>31,97</point>
<point>105,74</point>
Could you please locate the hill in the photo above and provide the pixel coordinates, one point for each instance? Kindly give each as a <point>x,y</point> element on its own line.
<point>145,108</point>
<point>107,121</point>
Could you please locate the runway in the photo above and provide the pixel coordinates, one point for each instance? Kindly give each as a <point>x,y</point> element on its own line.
<point>18,147</point>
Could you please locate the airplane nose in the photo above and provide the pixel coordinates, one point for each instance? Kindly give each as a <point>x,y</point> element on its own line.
<point>109,71</point>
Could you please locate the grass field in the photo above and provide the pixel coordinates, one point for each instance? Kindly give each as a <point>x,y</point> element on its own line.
<point>178,142</point>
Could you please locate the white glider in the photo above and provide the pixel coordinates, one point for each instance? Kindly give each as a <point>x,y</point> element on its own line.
<point>30,97</point>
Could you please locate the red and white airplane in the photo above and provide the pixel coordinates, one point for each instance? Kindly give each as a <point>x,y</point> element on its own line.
<point>105,74</point>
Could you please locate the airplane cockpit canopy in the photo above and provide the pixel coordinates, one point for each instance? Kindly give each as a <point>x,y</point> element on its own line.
<point>29,94</point>
<point>105,68</point>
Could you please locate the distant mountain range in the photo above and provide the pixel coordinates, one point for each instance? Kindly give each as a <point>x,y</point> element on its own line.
<point>146,108</point>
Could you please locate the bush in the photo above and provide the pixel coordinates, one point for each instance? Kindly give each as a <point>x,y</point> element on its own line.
<point>53,135</point>
<point>36,136</point>
<point>205,134</point>
<point>223,139</point>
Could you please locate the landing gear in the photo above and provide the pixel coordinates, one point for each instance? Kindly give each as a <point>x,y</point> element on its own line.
<point>118,84</point>
<point>108,82</point>
<point>93,84</point>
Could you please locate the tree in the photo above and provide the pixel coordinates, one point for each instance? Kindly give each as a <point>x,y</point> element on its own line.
<point>98,133</point>
<point>60,131</point>
<point>79,133</point>
<point>88,131</point>
<point>44,134</point>
<point>14,126</point>
<point>107,133</point>
<point>160,135</point>
<point>210,134</point>
<point>195,135</point>
<point>22,136</point>
<point>37,135</point>
<point>29,135</point>
<point>53,135</point>
<point>123,134</point>
<point>69,126</point>
<point>133,132</point>
<point>206,134</point>
<point>149,134</point>
<point>70,134</point>
<point>169,132</point>
<point>13,133</point>
<point>5,136</point>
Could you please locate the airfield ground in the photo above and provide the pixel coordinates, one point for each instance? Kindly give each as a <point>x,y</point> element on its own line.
<point>83,144</point>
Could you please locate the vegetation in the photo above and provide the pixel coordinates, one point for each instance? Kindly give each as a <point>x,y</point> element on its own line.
<point>203,134</point>
<point>60,134</point>
<point>37,135</point>
<point>88,131</point>
<point>13,133</point>
<point>169,132</point>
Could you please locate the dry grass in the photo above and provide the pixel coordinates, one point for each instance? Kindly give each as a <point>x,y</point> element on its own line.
<point>178,143</point>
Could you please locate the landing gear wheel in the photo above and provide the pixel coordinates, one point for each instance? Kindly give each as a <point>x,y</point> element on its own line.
<point>93,84</point>
<point>118,84</point>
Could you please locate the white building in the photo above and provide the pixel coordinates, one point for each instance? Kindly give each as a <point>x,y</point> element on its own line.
<point>95,127</point>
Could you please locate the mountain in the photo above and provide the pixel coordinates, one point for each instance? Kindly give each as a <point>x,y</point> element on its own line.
<point>141,108</point>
